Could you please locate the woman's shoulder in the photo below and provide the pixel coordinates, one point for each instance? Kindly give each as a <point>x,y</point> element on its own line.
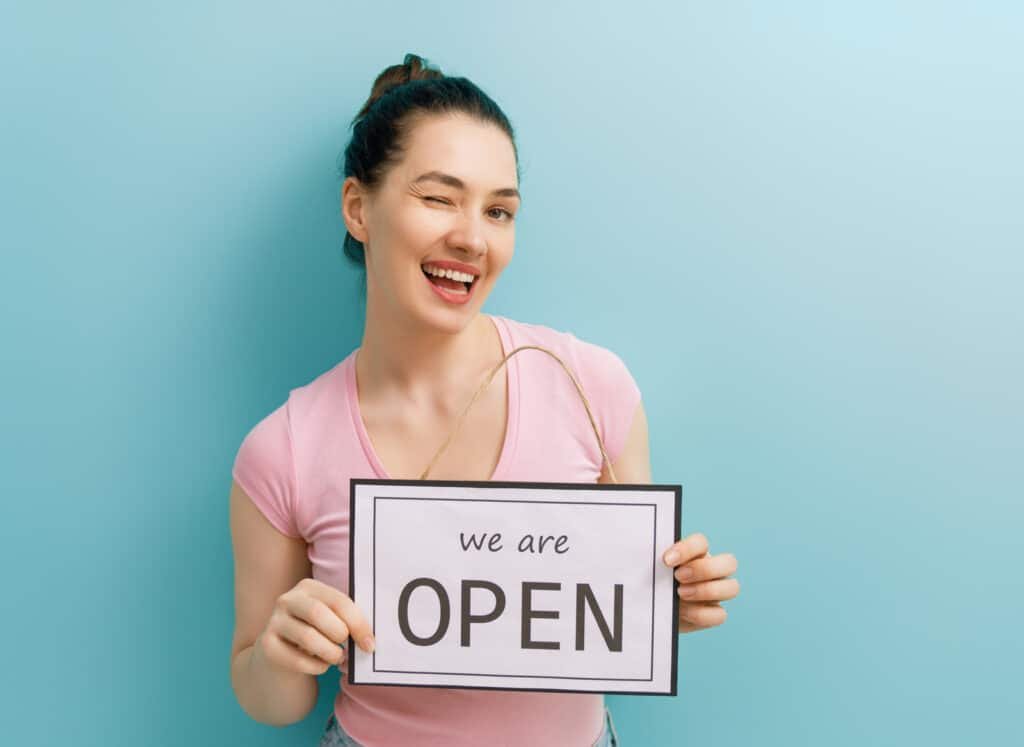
<point>535,333</point>
<point>292,410</point>
<point>592,361</point>
<point>323,393</point>
<point>526,333</point>
<point>601,372</point>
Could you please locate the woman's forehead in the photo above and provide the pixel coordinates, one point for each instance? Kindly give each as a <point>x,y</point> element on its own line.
<point>478,155</point>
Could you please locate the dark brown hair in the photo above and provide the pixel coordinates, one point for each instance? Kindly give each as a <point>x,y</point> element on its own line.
<point>400,94</point>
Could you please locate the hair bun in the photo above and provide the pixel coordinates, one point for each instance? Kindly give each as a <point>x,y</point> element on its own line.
<point>413,67</point>
<point>419,69</point>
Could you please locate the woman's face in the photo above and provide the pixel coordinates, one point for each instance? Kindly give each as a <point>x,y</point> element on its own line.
<point>452,198</point>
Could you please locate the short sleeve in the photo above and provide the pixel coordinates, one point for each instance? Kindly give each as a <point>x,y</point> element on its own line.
<point>265,470</point>
<point>611,390</point>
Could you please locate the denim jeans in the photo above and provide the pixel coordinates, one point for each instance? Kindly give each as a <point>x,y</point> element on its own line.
<point>335,736</point>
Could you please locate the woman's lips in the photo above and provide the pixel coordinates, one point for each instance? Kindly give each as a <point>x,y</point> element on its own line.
<point>454,297</point>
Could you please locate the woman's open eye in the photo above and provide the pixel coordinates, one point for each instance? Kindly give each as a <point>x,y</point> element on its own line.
<point>508,214</point>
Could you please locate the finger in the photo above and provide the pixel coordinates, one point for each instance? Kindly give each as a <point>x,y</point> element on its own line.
<point>287,654</point>
<point>706,568</point>
<point>310,640</point>
<point>702,614</point>
<point>358,625</point>
<point>685,550</point>
<point>710,591</point>
<point>314,611</point>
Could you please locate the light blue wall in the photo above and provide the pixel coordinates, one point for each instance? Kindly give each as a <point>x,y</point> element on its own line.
<point>801,228</point>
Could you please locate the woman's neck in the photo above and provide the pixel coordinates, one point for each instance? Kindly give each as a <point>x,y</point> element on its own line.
<point>425,365</point>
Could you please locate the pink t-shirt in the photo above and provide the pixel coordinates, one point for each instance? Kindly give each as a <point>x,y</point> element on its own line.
<point>296,463</point>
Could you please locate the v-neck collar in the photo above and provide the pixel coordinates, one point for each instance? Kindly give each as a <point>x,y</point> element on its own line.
<point>512,401</point>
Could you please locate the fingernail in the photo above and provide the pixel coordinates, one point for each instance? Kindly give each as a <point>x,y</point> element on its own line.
<point>684,573</point>
<point>367,644</point>
<point>687,591</point>
<point>671,557</point>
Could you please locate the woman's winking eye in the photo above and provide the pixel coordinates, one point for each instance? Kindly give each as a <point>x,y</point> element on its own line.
<point>508,213</point>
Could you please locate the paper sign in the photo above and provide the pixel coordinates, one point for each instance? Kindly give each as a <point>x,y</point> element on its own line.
<point>515,585</point>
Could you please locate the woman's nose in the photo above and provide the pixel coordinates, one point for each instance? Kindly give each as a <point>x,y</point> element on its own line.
<point>468,235</point>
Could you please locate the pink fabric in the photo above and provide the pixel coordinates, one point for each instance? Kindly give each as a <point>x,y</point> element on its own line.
<point>296,463</point>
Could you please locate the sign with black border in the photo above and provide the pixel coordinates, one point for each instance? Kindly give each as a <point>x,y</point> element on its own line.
<point>502,585</point>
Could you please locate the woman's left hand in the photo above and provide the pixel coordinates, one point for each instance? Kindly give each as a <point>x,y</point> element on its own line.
<point>703,582</point>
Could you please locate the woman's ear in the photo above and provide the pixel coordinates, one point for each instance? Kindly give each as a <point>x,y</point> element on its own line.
<point>353,208</point>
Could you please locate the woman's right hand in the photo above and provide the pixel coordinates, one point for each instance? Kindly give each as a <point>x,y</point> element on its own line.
<point>306,626</point>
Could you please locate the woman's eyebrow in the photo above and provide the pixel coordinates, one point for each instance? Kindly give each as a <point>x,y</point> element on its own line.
<point>454,181</point>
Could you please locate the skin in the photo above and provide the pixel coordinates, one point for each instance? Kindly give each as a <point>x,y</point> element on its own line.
<point>419,362</point>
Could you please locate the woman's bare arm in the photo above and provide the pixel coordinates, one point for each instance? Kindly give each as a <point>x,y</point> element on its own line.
<point>267,564</point>
<point>633,465</point>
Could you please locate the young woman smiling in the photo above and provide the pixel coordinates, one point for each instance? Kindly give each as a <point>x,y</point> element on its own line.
<point>429,199</point>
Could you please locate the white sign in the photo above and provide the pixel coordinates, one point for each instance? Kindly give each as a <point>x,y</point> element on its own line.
<point>515,585</point>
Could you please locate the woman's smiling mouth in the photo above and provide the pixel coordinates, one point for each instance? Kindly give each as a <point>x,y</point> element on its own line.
<point>451,285</point>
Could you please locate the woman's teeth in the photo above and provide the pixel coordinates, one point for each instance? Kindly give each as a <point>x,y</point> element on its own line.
<point>452,281</point>
<point>462,277</point>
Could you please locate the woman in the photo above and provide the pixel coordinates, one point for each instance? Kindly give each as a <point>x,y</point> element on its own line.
<point>429,200</point>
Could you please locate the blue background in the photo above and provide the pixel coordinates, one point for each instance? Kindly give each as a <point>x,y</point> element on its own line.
<point>799,224</point>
